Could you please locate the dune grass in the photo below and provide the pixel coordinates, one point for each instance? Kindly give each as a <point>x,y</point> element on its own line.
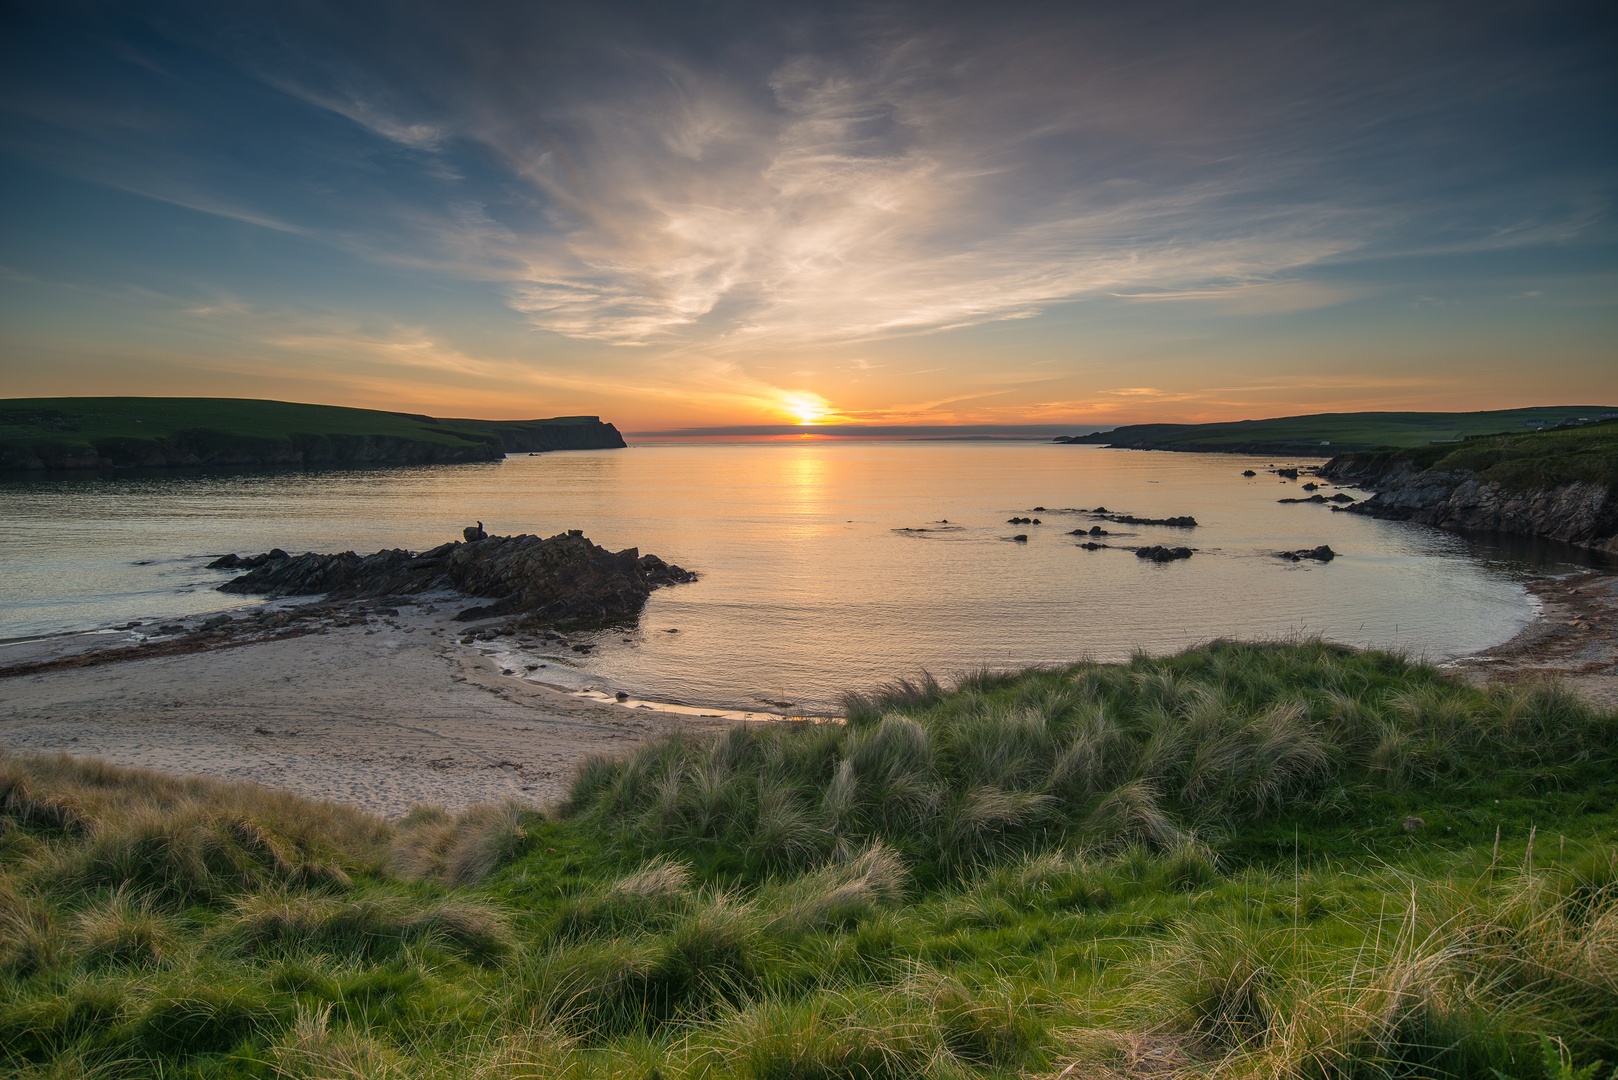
<point>1245,860</point>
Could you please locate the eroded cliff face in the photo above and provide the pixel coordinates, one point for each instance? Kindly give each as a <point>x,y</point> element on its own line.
<point>1584,514</point>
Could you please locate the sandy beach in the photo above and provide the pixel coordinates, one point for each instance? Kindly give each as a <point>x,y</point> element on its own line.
<point>355,704</point>
<point>381,706</point>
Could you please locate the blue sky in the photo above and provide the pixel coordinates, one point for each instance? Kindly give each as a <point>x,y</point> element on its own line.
<point>721,213</point>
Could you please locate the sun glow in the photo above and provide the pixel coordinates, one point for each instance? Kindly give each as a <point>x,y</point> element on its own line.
<point>808,409</point>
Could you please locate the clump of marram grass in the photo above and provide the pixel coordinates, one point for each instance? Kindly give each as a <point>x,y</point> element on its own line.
<point>292,922</point>
<point>836,893</point>
<point>29,940</point>
<point>1094,755</point>
<point>103,827</point>
<point>312,1050</point>
<point>124,929</point>
<point>460,849</point>
<point>660,879</point>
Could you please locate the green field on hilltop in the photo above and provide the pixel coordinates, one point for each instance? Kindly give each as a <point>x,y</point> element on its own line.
<point>87,420</point>
<point>87,432</point>
<point>1537,460</point>
<point>1271,860</point>
<point>1325,434</point>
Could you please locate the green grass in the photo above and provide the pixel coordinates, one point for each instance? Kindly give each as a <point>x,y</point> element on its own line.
<point>1342,431</point>
<point>1536,460</point>
<point>1196,863</point>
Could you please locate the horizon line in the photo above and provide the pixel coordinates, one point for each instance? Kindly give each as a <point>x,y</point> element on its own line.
<point>1032,431</point>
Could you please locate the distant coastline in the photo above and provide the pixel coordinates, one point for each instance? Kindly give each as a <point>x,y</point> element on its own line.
<point>40,434</point>
<point>1329,434</point>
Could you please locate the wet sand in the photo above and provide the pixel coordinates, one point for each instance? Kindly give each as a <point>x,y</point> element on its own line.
<point>380,705</point>
<point>1574,639</point>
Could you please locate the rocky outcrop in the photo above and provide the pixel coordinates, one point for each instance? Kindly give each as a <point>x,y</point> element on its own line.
<point>537,436</point>
<point>1583,514</point>
<point>562,580</point>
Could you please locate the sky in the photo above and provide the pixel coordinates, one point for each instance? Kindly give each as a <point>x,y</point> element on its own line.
<point>720,215</point>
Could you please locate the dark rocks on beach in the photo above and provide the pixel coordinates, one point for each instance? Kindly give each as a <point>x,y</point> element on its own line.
<point>1023,521</point>
<point>1323,553</point>
<point>559,579</point>
<point>234,562</point>
<point>472,534</point>
<point>1020,538</point>
<point>1249,472</point>
<point>1290,474</point>
<point>1161,554</point>
<point>1093,546</point>
<point>1316,498</point>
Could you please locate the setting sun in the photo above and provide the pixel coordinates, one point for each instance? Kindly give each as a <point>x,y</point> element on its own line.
<point>805,408</point>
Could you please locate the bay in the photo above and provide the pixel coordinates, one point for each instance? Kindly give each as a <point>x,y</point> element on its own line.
<point>825,566</point>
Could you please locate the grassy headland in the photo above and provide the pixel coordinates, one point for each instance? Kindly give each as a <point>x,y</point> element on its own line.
<point>1278,860</point>
<point>1325,434</point>
<point>38,433</point>
<point>1587,454</point>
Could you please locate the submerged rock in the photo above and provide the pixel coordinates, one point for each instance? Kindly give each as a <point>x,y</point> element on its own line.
<point>1160,553</point>
<point>1323,553</point>
<point>1184,521</point>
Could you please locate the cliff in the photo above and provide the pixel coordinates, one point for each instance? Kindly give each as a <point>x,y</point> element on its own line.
<point>102,433</point>
<point>1559,484</point>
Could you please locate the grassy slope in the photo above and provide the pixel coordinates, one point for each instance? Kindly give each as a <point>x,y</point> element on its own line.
<point>83,421</point>
<point>1344,430</point>
<point>1195,861</point>
<point>1523,462</point>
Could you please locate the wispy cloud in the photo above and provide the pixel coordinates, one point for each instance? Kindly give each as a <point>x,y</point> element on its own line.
<point>744,201</point>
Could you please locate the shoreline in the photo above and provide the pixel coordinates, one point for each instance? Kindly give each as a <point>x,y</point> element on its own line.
<point>373,704</point>
<point>1574,639</point>
<point>380,705</point>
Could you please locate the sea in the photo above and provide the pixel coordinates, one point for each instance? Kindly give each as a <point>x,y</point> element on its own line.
<point>825,566</point>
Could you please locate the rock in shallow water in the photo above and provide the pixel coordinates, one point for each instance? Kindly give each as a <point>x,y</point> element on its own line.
<point>553,580</point>
<point>1160,553</point>
<point>1323,553</point>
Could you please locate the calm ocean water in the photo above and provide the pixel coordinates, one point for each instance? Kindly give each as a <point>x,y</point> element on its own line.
<point>809,583</point>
